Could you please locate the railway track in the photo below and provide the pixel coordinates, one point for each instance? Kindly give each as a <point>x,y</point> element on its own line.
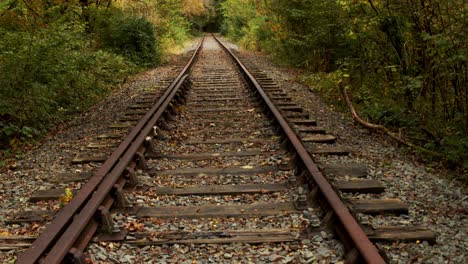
<point>223,156</point>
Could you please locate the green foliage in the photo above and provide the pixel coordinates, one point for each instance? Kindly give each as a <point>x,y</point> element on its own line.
<point>407,60</point>
<point>237,15</point>
<point>211,19</point>
<point>171,26</point>
<point>313,33</point>
<point>129,36</point>
<point>324,83</point>
<point>455,147</point>
<point>47,74</point>
<point>300,32</point>
<point>59,57</point>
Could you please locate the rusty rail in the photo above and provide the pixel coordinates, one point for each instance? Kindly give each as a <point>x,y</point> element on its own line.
<point>60,236</point>
<point>358,244</point>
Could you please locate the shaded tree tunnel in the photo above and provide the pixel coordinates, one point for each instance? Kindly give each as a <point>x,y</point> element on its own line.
<point>211,27</point>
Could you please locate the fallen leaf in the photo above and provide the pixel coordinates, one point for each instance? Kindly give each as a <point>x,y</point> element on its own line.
<point>66,197</point>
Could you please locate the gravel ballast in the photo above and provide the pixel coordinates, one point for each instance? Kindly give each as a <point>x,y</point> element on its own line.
<point>54,154</point>
<point>435,201</point>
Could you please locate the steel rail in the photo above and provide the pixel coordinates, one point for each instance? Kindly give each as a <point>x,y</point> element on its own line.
<point>361,242</point>
<point>67,240</point>
<point>60,235</point>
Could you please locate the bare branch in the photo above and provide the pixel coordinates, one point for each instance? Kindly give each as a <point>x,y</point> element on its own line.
<point>31,9</point>
<point>381,128</point>
<point>12,5</point>
<point>373,7</point>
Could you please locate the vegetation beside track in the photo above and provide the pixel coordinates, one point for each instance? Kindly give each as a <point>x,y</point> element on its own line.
<point>59,57</point>
<point>404,62</point>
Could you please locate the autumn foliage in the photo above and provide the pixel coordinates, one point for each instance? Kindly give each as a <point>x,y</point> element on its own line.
<point>405,62</point>
<point>57,57</point>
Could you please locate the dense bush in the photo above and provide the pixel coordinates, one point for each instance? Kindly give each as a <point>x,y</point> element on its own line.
<point>47,74</point>
<point>171,25</point>
<point>59,57</point>
<point>130,36</point>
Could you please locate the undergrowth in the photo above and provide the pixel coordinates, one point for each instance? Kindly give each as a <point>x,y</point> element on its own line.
<point>381,111</point>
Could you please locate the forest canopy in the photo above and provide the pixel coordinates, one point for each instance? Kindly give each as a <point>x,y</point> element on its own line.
<point>403,62</point>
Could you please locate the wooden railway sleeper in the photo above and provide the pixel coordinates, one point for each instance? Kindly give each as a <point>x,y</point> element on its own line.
<point>186,85</point>
<point>352,253</point>
<point>329,222</point>
<point>90,206</point>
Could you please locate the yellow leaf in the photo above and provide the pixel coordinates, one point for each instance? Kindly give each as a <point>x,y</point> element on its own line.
<point>67,196</point>
<point>13,143</point>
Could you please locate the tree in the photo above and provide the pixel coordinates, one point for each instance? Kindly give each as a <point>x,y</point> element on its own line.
<point>407,60</point>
